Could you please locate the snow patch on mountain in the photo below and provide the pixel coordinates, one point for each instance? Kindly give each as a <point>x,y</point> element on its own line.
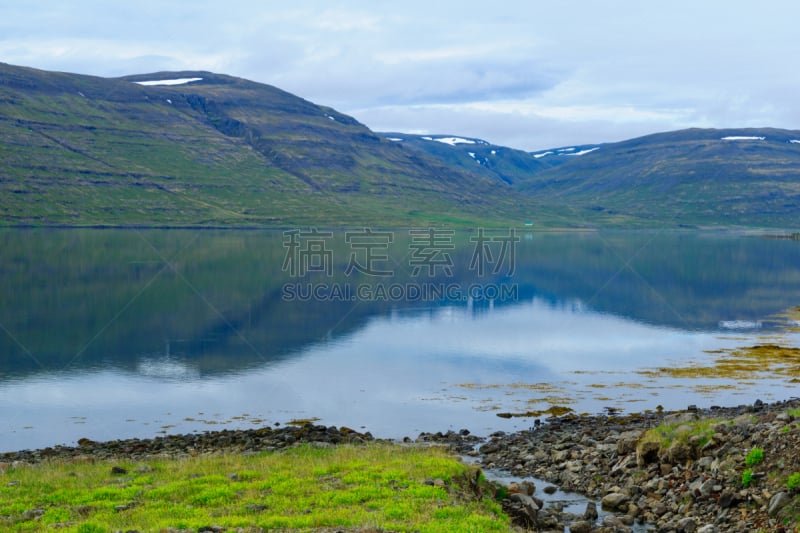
<point>452,141</point>
<point>581,152</point>
<point>177,81</point>
<point>742,138</point>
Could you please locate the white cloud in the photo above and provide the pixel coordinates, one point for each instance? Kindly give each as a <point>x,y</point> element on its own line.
<point>620,68</point>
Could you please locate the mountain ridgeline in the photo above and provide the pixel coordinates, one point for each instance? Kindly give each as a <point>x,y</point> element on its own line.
<point>202,149</point>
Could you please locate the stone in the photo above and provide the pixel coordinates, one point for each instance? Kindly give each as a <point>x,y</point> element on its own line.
<point>680,418</point>
<point>32,514</point>
<point>550,489</point>
<point>581,526</point>
<point>591,512</point>
<point>255,507</point>
<point>678,452</point>
<point>522,510</point>
<point>727,499</point>
<point>527,487</point>
<point>615,523</point>
<point>118,470</point>
<point>614,500</point>
<point>524,499</point>
<point>686,525</point>
<point>626,443</point>
<point>778,502</point>
<point>647,453</point>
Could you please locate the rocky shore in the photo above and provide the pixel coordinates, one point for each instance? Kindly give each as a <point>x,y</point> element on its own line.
<point>695,472</point>
<point>225,441</point>
<point>692,482</point>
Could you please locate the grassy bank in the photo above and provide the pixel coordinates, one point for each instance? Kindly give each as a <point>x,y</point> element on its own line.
<point>381,486</point>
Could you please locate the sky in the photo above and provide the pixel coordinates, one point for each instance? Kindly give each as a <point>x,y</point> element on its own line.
<point>526,74</point>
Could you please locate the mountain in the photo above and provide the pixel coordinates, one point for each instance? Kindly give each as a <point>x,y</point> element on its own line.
<point>693,177</point>
<point>493,161</point>
<point>499,163</point>
<point>720,177</point>
<point>202,149</point>
<point>198,148</point>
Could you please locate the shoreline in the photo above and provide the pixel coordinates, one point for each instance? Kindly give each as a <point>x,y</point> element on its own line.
<point>693,483</point>
<point>307,430</point>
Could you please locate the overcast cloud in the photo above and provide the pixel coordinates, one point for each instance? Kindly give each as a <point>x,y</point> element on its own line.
<point>527,74</point>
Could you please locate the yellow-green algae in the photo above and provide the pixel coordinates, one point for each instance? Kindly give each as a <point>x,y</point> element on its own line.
<point>740,363</point>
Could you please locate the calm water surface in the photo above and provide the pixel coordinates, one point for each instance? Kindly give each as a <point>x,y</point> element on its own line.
<point>109,333</point>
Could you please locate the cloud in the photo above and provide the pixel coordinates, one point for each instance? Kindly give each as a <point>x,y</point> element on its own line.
<point>576,68</point>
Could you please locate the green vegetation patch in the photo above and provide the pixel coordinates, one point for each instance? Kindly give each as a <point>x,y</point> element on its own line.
<point>667,434</point>
<point>381,486</point>
<point>754,457</point>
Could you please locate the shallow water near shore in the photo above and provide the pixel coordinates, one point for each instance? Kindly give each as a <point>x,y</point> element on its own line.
<point>110,334</point>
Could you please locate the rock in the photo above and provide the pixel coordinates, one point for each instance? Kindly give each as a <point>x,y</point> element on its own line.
<point>255,507</point>
<point>778,502</point>
<point>678,452</point>
<point>118,471</point>
<point>581,526</point>
<point>615,523</point>
<point>686,525</point>
<point>647,453</point>
<point>614,500</point>
<point>524,499</point>
<point>680,418</point>
<point>527,487</point>
<point>626,443</point>
<point>522,510</point>
<point>727,499</point>
<point>33,514</point>
<point>708,528</point>
<point>591,512</point>
<point>550,489</point>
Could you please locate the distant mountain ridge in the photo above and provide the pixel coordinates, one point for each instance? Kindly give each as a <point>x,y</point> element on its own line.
<point>196,148</point>
<point>217,150</point>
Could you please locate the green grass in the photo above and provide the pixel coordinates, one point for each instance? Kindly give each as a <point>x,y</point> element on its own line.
<point>754,457</point>
<point>666,434</point>
<point>377,486</point>
<point>747,477</point>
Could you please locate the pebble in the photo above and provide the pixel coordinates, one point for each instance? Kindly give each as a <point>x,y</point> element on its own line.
<point>691,486</point>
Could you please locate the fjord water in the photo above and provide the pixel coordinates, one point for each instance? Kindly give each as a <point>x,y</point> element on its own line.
<point>110,334</point>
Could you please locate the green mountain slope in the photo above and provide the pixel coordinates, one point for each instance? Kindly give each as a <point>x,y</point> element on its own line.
<point>499,163</point>
<point>224,151</point>
<point>82,150</point>
<point>693,177</point>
